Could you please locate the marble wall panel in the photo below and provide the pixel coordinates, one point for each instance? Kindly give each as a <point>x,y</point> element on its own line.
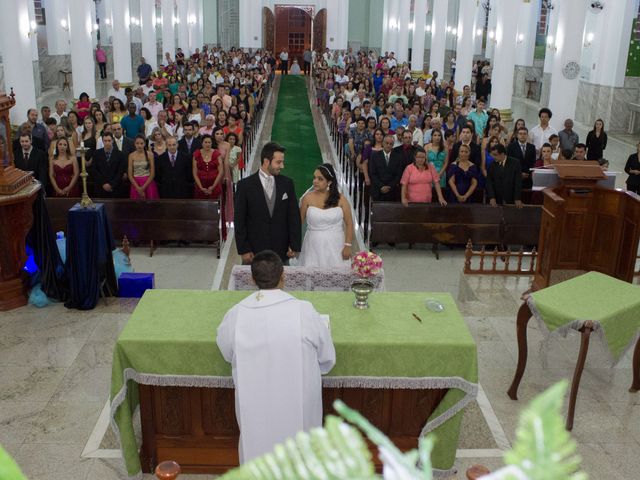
<point>545,89</point>
<point>611,104</point>
<point>50,66</point>
<point>2,87</point>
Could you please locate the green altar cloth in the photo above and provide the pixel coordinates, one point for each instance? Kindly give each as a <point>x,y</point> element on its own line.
<point>613,305</point>
<point>170,339</point>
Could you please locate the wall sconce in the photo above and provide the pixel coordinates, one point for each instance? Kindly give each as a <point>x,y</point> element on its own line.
<point>411,26</point>
<point>428,28</point>
<point>448,28</point>
<point>492,36</point>
<point>479,32</point>
<point>64,25</point>
<point>520,38</point>
<point>588,40</point>
<point>550,45</point>
<point>176,20</point>
<point>158,20</point>
<point>192,20</point>
<point>32,29</point>
<point>107,21</point>
<point>96,27</point>
<point>134,22</point>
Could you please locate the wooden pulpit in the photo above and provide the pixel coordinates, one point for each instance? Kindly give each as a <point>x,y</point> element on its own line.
<point>587,227</point>
<point>18,191</point>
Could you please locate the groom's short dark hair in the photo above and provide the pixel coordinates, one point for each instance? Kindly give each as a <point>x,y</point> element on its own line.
<point>266,269</point>
<point>269,149</point>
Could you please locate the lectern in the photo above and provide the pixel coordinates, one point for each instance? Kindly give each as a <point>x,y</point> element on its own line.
<point>587,227</point>
<point>18,191</point>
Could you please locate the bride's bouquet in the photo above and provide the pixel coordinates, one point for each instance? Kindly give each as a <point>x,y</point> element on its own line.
<point>366,264</point>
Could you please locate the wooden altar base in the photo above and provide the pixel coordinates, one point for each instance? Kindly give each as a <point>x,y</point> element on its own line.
<point>197,428</point>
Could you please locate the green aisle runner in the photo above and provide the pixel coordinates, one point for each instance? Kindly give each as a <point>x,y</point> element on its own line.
<point>293,127</point>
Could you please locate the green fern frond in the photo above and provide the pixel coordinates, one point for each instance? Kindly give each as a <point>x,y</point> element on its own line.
<point>544,449</point>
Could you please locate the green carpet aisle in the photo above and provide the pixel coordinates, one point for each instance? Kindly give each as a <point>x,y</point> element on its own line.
<point>293,128</point>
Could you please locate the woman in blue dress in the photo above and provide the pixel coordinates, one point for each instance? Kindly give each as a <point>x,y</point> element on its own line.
<point>463,177</point>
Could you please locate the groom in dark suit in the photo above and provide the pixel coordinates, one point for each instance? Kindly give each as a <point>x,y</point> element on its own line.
<point>504,178</point>
<point>267,216</point>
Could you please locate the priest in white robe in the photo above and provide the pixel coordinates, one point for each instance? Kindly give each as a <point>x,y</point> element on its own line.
<point>278,347</point>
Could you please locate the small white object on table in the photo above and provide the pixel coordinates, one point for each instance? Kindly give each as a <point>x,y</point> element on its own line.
<point>337,279</point>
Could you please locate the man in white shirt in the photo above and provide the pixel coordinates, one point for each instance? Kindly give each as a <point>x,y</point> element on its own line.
<point>367,111</point>
<point>161,123</point>
<point>61,111</point>
<point>284,62</point>
<point>421,89</point>
<point>539,135</point>
<point>278,348</point>
<point>153,105</point>
<point>391,61</point>
<point>341,78</point>
<point>117,92</point>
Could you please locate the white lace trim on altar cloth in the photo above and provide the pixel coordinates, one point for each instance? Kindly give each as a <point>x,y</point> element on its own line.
<point>575,325</point>
<point>415,383</point>
<point>306,279</point>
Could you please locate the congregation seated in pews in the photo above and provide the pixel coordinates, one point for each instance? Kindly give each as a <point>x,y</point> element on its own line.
<point>183,132</point>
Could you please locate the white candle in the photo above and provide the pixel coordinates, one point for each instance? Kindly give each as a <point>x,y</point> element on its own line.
<point>82,144</point>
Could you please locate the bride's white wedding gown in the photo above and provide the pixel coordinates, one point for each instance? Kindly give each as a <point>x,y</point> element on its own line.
<point>324,239</point>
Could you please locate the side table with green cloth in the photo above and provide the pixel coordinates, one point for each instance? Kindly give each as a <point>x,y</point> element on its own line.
<point>170,340</point>
<point>591,303</point>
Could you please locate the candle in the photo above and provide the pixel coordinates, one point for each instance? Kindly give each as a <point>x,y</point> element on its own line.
<point>82,144</point>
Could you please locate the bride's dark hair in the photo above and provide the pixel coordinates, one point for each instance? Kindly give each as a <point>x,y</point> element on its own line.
<point>329,174</point>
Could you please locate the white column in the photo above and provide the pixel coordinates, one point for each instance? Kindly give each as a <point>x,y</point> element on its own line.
<point>527,22</point>
<point>168,31</point>
<point>214,21</point>
<point>480,18</point>
<point>385,26</point>
<point>121,41</point>
<point>34,37</point>
<point>438,36</point>
<point>57,36</point>
<point>194,25</point>
<point>417,42</point>
<point>505,54</point>
<point>611,42</point>
<point>394,19</point>
<point>552,19</point>
<point>148,32</point>
<point>82,59</point>
<point>491,29</point>
<point>466,41</point>
<point>18,69</point>
<point>183,26</point>
<point>104,12</point>
<point>337,24</point>
<point>403,30</point>
<point>94,21</point>
<point>251,24</point>
<point>569,39</point>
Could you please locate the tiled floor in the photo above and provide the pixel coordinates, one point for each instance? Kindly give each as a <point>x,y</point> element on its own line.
<point>55,363</point>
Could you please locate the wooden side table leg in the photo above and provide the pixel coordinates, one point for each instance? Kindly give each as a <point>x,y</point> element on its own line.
<point>524,314</point>
<point>586,330</point>
<point>635,386</point>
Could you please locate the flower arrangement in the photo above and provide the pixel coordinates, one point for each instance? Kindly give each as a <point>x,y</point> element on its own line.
<point>366,264</point>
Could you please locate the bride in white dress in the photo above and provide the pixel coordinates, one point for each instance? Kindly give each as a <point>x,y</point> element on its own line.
<point>327,242</point>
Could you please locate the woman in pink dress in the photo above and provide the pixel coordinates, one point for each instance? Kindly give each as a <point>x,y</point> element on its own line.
<point>418,179</point>
<point>64,171</point>
<point>207,171</point>
<point>227,188</point>
<point>141,172</point>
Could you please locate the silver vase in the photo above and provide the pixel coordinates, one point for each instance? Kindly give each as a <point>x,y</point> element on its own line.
<point>362,288</point>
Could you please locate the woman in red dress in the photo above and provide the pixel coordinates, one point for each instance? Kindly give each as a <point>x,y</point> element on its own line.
<point>207,171</point>
<point>63,171</point>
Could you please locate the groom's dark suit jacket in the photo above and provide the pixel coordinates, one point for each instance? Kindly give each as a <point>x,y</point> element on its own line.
<point>255,229</point>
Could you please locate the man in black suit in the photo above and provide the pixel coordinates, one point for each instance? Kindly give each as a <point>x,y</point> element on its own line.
<point>504,178</point>
<point>32,159</point>
<point>385,172</point>
<point>189,144</point>
<point>406,152</point>
<point>25,129</point>
<point>267,216</point>
<point>525,152</point>
<point>174,172</point>
<point>108,168</point>
<point>466,137</point>
<point>122,142</point>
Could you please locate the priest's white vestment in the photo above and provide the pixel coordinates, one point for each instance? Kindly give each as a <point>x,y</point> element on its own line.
<point>278,347</point>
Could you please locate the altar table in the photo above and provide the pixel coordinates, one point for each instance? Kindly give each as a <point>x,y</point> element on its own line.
<point>408,377</point>
<point>590,303</point>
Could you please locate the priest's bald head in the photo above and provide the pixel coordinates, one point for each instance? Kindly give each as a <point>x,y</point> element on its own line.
<point>267,270</point>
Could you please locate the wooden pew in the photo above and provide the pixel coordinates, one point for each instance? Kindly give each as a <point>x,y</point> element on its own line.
<point>151,221</point>
<point>454,224</point>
